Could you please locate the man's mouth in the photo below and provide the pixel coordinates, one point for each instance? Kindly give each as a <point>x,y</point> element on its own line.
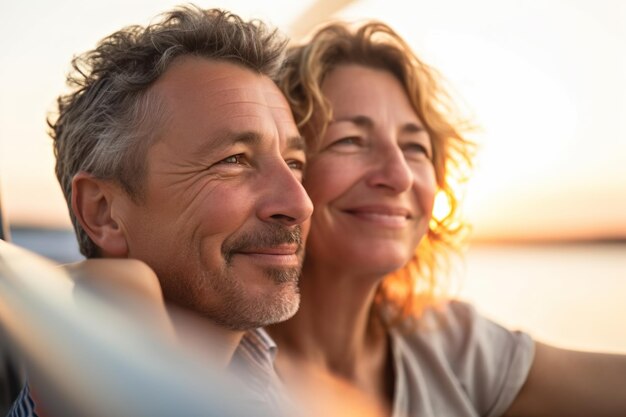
<point>285,255</point>
<point>274,245</point>
<point>279,250</point>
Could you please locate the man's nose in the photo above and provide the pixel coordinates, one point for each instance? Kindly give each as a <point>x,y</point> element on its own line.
<point>285,200</point>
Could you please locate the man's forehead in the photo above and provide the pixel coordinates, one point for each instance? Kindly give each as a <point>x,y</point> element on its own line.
<point>216,82</point>
<point>217,99</point>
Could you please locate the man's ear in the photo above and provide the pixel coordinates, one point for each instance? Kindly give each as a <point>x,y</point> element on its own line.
<point>92,199</point>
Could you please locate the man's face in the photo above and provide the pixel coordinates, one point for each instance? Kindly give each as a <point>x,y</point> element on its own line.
<point>224,216</point>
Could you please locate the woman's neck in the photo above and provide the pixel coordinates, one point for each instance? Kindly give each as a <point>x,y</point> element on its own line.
<point>335,327</point>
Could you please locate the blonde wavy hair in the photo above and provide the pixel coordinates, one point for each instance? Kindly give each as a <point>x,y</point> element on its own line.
<point>406,292</point>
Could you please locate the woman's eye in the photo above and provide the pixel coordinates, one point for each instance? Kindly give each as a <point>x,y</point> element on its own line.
<point>417,148</point>
<point>350,140</point>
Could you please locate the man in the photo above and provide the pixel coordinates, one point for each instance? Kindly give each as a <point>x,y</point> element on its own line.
<point>176,148</point>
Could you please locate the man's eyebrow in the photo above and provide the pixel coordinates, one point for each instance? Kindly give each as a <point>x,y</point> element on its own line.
<point>251,138</point>
<point>248,137</point>
<point>227,138</point>
<point>297,143</point>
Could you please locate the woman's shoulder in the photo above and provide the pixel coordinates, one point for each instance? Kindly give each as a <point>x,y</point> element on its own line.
<point>455,330</point>
<point>448,317</point>
<point>452,344</point>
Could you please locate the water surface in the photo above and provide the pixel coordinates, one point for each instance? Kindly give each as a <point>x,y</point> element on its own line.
<point>572,295</point>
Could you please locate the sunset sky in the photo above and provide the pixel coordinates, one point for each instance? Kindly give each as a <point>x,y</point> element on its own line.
<point>545,80</point>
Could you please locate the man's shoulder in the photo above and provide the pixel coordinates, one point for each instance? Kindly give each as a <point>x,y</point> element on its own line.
<point>23,406</point>
<point>258,349</point>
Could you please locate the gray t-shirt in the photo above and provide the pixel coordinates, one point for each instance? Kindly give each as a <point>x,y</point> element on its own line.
<point>458,364</point>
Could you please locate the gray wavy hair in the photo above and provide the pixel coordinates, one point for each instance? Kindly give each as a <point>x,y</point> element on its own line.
<point>107,122</point>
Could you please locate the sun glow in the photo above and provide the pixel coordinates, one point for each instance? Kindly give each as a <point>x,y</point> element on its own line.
<point>442,207</point>
<point>549,104</point>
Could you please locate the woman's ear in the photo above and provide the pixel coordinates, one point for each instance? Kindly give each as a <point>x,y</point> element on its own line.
<point>92,200</point>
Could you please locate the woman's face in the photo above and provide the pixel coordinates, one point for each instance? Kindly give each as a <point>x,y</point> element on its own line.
<point>370,177</point>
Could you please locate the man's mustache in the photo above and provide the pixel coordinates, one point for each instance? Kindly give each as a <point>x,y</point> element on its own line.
<point>269,236</point>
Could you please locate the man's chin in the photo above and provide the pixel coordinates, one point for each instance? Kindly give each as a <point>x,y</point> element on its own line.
<point>263,278</point>
<point>283,310</point>
<point>247,295</point>
<point>283,275</point>
<point>263,309</point>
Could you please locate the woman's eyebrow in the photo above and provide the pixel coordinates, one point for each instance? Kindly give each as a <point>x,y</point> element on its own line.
<point>412,127</point>
<point>359,120</point>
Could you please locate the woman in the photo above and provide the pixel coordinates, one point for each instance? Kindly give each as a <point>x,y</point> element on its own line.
<point>381,144</point>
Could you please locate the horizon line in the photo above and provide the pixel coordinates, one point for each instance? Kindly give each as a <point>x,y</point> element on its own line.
<point>486,241</point>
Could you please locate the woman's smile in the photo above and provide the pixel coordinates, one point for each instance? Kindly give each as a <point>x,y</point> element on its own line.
<point>393,217</point>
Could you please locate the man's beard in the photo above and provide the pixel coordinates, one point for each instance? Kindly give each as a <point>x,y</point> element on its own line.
<point>239,310</point>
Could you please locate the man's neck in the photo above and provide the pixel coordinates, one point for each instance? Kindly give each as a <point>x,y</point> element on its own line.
<point>204,336</point>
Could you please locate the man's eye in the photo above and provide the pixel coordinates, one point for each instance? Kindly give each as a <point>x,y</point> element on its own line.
<point>233,159</point>
<point>295,164</point>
